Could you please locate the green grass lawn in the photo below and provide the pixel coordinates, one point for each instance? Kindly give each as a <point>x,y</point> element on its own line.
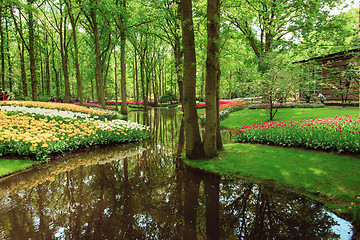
<point>200,111</point>
<point>332,179</point>
<point>8,166</point>
<point>250,116</point>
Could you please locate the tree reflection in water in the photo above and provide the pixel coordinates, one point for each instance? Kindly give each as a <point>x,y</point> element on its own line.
<point>141,191</point>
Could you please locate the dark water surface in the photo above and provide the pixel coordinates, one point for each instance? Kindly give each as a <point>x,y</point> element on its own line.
<point>143,191</point>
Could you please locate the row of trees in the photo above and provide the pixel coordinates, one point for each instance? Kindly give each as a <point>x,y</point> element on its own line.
<point>76,48</point>
<point>41,39</point>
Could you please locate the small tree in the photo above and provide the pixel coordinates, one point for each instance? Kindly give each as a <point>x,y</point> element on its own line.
<point>347,84</point>
<point>278,82</point>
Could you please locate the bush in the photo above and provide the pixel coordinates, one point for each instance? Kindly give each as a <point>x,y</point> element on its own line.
<point>174,105</point>
<point>287,105</point>
<point>167,97</point>
<point>342,104</point>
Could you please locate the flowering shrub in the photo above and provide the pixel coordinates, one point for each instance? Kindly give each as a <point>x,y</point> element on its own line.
<point>52,105</point>
<point>39,132</point>
<point>338,133</point>
<point>288,105</point>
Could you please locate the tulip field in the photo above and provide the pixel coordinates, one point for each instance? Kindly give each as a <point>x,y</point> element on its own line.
<point>341,134</point>
<point>36,129</point>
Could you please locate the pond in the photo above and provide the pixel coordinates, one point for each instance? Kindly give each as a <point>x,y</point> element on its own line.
<point>143,191</point>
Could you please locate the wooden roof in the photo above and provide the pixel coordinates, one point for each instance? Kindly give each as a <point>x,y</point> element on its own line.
<point>333,57</point>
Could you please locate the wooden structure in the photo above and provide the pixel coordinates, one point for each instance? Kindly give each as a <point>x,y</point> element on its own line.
<point>333,73</point>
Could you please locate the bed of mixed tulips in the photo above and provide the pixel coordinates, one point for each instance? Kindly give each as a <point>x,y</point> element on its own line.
<point>341,134</point>
<point>40,131</point>
<point>56,106</point>
<point>225,108</point>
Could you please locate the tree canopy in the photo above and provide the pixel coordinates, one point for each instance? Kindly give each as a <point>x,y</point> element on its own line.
<point>68,48</point>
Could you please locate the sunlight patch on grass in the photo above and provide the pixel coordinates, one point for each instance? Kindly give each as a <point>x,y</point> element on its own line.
<point>8,166</point>
<point>317,171</point>
<point>329,175</point>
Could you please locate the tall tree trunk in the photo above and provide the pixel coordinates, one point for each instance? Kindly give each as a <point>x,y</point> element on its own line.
<point>116,84</point>
<point>21,46</point>
<point>65,68</point>
<point>146,91</point>
<point>92,89</point>
<point>230,87</point>
<point>123,109</point>
<point>155,86</point>
<point>47,68</point>
<point>219,142</point>
<point>210,148</point>
<point>194,146</point>
<point>42,73</point>
<point>57,87</point>
<point>136,78</point>
<point>159,80</point>
<point>32,56</point>
<point>178,53</point>
<point>22,67</point>
<point>9,57</point>
<point>65,57</point>
<point>105,70</point>
<point>79,90</point>
<point>2,51</point>
<point>142,79</point>
<point>202,86</point>
<point>98,72</point>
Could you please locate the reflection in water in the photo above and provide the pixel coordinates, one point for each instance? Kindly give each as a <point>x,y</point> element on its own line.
<point>141,191</point>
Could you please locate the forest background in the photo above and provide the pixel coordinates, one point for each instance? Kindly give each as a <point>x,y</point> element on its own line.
<point>132,48</point>
<point>147,50</point>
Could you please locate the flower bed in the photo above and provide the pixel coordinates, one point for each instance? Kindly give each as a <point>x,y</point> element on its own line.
<point>203,105</point>
<point>225,108</point>
<point>233,106</point>
<point>96,106</point>
<point>113,102</point>
<point>287,105</point>
<point>46,112</point>
<point>36,132</point>
<point>341,134</point>
<point>341,104</point>
<point>52,105</point>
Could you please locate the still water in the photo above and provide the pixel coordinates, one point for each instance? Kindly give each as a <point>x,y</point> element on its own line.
<point>143,191</point>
